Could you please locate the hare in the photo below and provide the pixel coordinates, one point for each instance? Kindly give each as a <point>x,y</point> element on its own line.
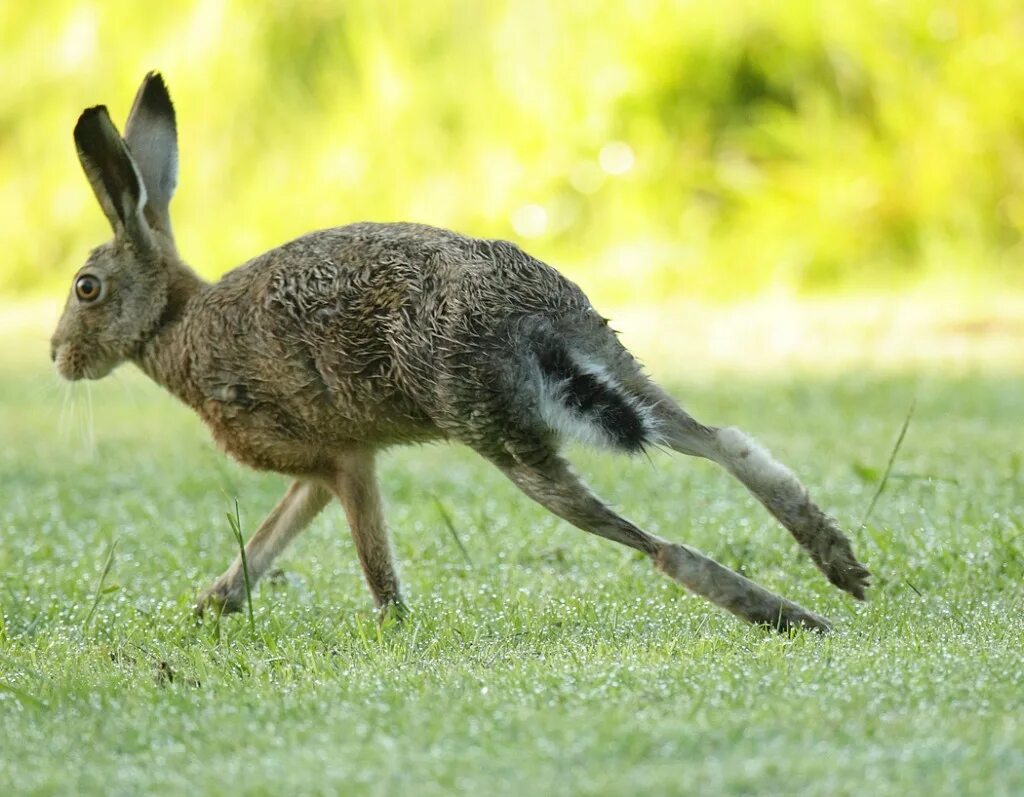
<point>311,358</point>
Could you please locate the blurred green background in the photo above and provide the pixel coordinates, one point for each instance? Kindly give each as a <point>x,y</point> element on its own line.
<point>650,149</point>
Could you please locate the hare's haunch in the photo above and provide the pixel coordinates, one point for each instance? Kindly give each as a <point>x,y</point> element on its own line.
<point>310,358</point>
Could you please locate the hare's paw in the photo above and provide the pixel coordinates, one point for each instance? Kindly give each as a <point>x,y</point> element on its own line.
<point>393,613</point>
<point>837,561</point>
<point>223,596</point>
<point>792,617</point>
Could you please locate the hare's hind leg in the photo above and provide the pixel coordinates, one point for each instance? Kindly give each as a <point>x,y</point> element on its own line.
<point>551,482</point>
<point>293,513</point>
<point>355,484</point>
<point>773,484</point>
<point>603,390</point>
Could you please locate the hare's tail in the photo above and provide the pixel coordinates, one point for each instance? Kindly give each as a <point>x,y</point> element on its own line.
<point>589,393</point>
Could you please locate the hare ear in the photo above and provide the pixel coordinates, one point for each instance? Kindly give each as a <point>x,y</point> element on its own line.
<point>112,173</point>
<point>152,137</point>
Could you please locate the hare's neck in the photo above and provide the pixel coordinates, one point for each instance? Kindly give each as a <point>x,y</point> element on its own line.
<point>166,356</point>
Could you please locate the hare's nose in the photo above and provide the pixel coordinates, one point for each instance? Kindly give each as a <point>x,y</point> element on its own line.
<point>53,353</point>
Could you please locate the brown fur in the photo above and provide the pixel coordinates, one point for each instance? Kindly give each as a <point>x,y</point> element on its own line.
<point>311,357</point>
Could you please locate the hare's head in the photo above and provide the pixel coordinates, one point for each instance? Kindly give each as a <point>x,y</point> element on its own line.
<point>120,295</point>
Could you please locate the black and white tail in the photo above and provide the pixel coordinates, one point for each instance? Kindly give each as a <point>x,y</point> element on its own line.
<point>581,399</point>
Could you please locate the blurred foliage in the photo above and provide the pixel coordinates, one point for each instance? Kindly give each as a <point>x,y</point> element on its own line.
<point>650,149</point>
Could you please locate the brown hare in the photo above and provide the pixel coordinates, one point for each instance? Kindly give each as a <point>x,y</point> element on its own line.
<point>314,356</point>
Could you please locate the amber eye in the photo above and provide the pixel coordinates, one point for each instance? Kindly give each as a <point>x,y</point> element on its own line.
<point>88,288</point>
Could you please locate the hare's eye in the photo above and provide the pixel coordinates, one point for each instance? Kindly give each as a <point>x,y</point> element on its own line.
<point>88,288</point>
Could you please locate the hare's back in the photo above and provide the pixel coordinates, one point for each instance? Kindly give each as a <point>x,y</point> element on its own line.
<point>414,274</point>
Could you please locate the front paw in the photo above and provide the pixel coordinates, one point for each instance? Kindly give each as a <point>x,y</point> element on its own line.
<point>393,612</point>
<point>223,596</point>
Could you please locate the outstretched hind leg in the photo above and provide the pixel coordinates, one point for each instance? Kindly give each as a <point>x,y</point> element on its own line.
<point>773,484</point>
<point>551,482</point>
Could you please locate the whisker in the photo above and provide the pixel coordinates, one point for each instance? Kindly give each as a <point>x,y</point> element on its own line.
<point>74,432</point>
<point>90,429</point>
<point>62,423</point>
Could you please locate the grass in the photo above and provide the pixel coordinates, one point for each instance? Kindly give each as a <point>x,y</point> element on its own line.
<point>537,660</point>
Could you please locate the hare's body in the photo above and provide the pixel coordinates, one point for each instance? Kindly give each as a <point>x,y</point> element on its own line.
<point>371,335</point>
<point>312,357</point>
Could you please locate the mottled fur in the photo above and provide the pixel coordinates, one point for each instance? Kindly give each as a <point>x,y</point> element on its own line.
<point>311,357</point>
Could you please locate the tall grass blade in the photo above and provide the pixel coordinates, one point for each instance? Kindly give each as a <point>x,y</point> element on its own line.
<point>236,529</point>
<point>98,592</point>
<point>447,518</point>
<point>888,467</point>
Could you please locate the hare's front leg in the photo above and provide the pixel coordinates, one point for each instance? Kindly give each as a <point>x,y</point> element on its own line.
<point>553,484</point>
<point>300,505</point>
<point>355,484</point>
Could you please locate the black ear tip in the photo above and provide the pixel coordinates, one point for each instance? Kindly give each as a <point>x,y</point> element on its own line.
<point>90,116</point>
<point>94,110</point>
<point>154,97</point>
<point>154,85</point>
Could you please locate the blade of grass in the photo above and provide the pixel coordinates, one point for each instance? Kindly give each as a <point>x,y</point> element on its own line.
<point>22,695</point>
<point>888,467</point>
<point>236,529</point>
<point>443,512</point>
<point>98,592</point>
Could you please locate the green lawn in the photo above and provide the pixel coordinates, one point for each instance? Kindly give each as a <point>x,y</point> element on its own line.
<point>553,663</point>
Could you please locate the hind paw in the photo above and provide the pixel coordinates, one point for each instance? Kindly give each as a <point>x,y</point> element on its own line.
<point>839,563</point>
<point>791,616</point>
<point>849,575</point>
